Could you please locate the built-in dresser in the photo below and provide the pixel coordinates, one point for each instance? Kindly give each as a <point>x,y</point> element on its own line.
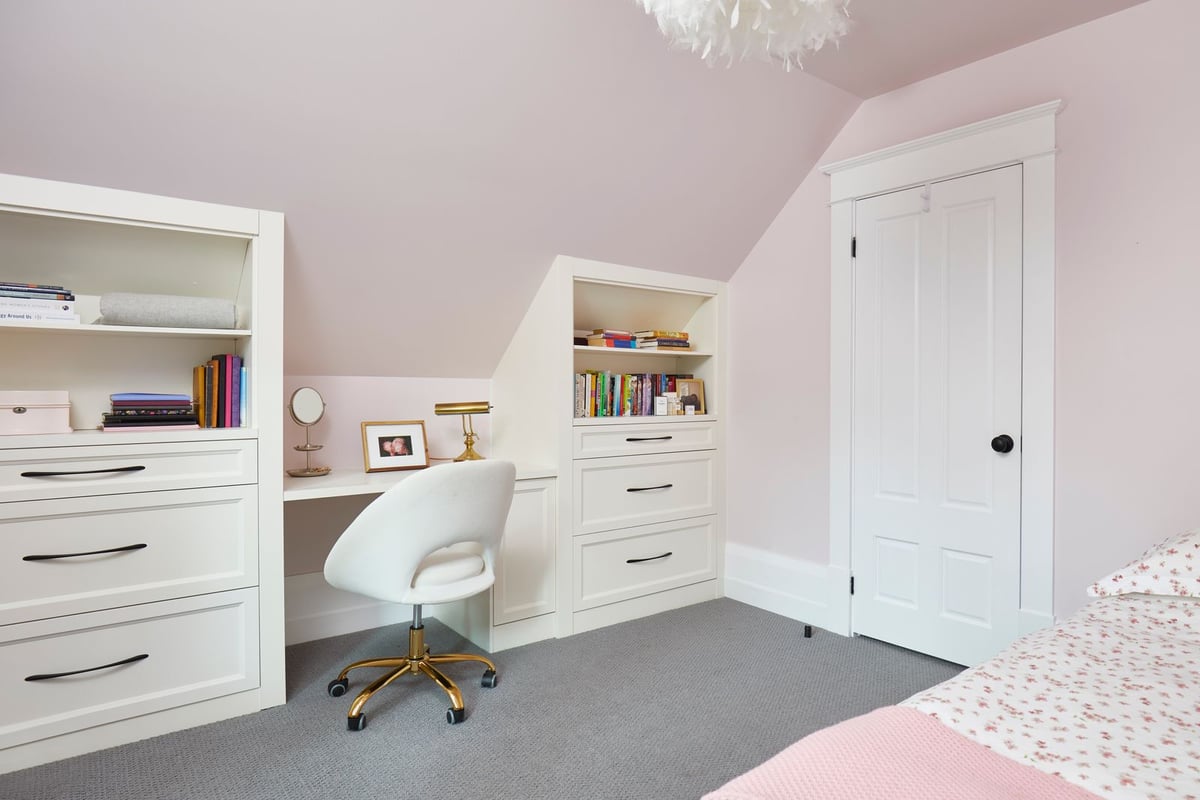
<point>640,496</point>
<point>140,571</point>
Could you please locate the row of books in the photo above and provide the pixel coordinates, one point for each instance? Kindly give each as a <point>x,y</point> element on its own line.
<point>634,340</point>
<point>142,411</point>
<point>219,390</point>
<point>33,303</point>
<point>608,394</point>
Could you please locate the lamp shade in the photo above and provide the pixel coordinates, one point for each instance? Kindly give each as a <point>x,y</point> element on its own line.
<point>478,407</point>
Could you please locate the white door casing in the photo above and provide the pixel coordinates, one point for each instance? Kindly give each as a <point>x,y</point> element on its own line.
<point>1025,137</point>
<point>937,374</point>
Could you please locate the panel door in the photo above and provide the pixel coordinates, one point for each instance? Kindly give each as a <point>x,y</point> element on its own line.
<point>935,510</point>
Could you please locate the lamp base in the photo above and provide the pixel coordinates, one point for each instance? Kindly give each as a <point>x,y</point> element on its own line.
<point>469,455</point>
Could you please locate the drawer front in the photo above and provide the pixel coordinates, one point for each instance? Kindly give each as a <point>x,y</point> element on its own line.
<point>194,649</point>
<point>164,545</point>
<point>89,470</point>
<point>626,440</point>
<point>620,565</point>
<point>619,492</point>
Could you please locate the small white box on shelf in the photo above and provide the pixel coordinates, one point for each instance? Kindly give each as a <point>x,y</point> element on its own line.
<point>34,412</point>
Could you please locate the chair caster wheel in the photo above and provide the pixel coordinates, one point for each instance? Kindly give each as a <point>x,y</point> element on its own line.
<point>490,679</point>
<point>356,723</point>
<point>338,688</point>
<point>455,715</point>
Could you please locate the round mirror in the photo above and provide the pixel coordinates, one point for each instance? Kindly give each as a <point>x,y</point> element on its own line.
<point>306,406</point>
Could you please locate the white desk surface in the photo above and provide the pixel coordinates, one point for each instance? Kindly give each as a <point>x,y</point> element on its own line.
<point>349,481</point>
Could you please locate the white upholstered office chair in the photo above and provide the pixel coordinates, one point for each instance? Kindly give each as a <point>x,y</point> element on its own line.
<point>431,538</point>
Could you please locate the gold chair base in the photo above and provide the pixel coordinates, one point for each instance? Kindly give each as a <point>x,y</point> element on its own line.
<point>419,661</point>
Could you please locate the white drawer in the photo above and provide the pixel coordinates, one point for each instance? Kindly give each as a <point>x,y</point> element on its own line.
<point>86,470</point>
<point>619,565</point>
<point>618,492</point>
<point>194,649</point>
<point>180,542</point>
<point>595,441</point>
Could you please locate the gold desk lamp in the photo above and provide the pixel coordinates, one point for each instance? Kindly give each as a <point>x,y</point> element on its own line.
<point>467,410</point>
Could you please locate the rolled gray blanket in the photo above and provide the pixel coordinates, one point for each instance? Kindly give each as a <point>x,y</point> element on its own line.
<point>167,311</point>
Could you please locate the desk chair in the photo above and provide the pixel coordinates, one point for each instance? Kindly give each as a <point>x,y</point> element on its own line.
<point>431,538</point>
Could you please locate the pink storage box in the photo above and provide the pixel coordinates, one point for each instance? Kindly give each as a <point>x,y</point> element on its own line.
<point>34,412</point>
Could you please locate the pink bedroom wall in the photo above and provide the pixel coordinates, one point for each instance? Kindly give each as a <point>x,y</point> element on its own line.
<point>1127,374</point>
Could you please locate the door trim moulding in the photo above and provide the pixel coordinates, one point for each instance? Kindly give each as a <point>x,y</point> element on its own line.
<point>1025,137</point>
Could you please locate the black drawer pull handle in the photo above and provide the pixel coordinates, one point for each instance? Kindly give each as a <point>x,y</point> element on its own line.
<point>124,549</point>
<point>49,676</point>
<point>649,438</point>
<point>651,558</point>
<point>650,488</point>
<point>61,473</point>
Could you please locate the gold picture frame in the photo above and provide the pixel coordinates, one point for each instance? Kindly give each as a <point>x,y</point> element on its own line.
<point>691,393</point>
<point>394,445</point>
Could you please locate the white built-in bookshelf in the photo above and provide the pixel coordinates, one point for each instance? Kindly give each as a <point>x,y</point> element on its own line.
<point>614,526</point>
<point>203,595</point>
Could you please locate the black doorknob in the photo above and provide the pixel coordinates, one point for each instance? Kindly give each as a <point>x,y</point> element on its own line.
<point>1002,443</point>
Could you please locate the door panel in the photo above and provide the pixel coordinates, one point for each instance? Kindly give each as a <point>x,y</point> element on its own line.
<point>935,512</point>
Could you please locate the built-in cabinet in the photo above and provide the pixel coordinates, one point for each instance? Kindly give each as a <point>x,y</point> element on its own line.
<point>640,498</point>
<point>520,606</point>
<point>140,571</point>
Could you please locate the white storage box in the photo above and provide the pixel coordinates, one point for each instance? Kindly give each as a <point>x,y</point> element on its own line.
<point>34,412</point>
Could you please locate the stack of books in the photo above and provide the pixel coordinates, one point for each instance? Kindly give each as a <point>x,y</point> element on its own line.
<point>607,337</point>
<point>219,391</point>
<point>36,303</point>
<point>144,411</point>
<point>662,340</point>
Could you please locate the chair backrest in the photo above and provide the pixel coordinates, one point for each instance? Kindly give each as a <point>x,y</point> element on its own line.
<point>379,553</point>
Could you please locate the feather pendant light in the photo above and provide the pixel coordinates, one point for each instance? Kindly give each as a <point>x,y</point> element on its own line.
<point>765,30</point>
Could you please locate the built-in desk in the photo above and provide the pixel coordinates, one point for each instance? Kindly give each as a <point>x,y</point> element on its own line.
<point>518,610</point>
<point>344,483</point>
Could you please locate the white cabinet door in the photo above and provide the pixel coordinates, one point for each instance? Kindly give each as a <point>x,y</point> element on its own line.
<point>525,564</point>
<point>937,375</point>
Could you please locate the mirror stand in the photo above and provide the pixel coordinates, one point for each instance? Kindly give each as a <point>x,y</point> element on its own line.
<point>308,449</point>
<point>307,407</point>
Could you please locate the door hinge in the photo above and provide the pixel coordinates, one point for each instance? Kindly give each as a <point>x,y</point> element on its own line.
<point>853,246</point>
<point>851,584</point>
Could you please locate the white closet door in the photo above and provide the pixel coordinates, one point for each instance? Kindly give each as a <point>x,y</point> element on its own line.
<point>935,510</point>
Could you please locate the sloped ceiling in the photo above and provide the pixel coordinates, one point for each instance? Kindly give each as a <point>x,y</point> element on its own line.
<point>433,157</point>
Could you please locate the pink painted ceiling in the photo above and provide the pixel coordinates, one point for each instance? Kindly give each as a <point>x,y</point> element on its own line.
<point>433,158</point>
<point>897,42</point>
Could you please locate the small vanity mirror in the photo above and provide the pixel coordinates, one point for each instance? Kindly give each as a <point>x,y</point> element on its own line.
<point>307,407</point>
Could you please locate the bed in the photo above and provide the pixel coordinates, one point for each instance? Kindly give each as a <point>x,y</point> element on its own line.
<point>1106,703</point>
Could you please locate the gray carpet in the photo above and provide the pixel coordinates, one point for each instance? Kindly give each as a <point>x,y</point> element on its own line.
<point>670,706</point>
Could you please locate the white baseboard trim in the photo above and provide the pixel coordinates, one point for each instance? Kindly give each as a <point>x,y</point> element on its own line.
<point>817,594</point>
<point>315,610</point>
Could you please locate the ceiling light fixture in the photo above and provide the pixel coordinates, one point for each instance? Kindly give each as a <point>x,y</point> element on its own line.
<point>766,30</point>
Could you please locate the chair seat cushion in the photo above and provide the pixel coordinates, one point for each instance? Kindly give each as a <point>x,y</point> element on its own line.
<point>448,565</point>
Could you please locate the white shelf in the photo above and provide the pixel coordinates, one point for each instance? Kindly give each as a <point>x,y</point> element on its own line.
<point>92,436</point>
<point>645,419</point>
<point>633,351</point>
<point>126,330</point>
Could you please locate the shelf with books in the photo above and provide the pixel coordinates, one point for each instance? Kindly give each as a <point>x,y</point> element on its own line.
<point>90,329</point>
<point>534,391</point>
<point>101,242</point>
<point>639,353</point>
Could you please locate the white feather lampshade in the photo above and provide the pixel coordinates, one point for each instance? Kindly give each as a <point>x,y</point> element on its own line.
<point>765,30</point>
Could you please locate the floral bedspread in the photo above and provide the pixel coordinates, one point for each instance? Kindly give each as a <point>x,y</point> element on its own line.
<point>1108,699</point>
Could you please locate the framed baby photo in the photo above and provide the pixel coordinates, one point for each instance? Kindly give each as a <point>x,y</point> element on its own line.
<point>394,445</point>
<point>691,395</point>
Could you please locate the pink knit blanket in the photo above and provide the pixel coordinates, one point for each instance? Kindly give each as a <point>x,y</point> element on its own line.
<point>894,753</point>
